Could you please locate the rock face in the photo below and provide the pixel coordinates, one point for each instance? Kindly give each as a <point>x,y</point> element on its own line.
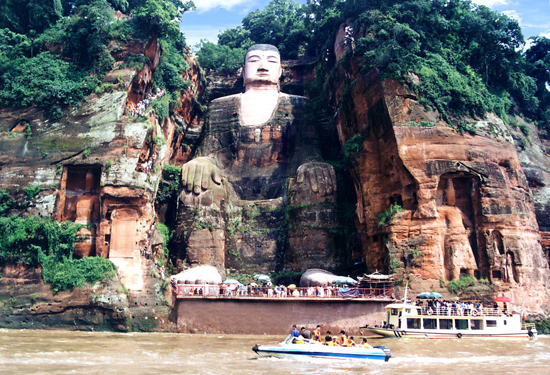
<point>467,205</point>
<point>90,169</point>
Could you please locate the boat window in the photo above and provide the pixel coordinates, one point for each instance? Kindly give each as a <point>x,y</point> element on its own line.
<point>476,324</point>
<point>394,311</point>
<point>413,323</point>
<point>505,322</point>
<point>491,323</point>
<point>430,323</point>
<point>408,311</point>
<point>461,323</point>
<point>445,324</point>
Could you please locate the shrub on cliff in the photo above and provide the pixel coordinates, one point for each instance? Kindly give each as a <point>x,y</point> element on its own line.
<point>385,217</point>
<point>34,241</point>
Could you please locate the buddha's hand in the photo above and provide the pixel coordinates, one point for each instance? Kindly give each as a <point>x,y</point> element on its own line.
<point>199,173</point>
<point>321,177</point>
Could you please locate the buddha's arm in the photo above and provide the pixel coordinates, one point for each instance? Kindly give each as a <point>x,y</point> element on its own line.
<point>197,174</point>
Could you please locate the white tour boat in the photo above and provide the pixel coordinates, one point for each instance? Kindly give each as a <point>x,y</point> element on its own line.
<point>407,320</point>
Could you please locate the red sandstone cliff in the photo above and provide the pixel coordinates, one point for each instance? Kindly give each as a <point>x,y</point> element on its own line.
<point>468,206</point>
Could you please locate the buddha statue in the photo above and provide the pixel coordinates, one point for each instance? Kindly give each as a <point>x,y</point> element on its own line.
<point>257,153</point>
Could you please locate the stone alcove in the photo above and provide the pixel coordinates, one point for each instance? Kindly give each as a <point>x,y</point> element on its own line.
<point>79,202</point>
<point>459,208</point>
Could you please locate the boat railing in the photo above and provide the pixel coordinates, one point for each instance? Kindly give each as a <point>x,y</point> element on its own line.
<point>234,291</point>
<point>528,326</point>
<point>460,311</point>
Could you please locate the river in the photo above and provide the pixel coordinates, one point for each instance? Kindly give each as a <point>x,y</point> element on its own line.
<point>62,352</point>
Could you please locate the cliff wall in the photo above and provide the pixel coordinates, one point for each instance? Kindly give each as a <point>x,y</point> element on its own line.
<point>468,207</point>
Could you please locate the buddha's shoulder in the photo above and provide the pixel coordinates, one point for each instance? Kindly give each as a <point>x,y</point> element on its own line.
<point>230,99</point>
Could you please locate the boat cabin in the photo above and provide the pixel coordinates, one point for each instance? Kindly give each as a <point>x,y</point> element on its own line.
<point>402,316</point>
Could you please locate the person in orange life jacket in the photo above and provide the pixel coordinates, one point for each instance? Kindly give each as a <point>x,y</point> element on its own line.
<point>351,342</point>
<point>365,344</point>
<point>317,333</point>
<point>328,341</point>
<point>343,341</point>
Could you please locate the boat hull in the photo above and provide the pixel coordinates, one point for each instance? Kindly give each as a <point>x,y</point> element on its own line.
<point>303,351</point>
<point>438,334</point>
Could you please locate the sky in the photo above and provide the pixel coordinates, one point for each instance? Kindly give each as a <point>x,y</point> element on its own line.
<point>214,16</point>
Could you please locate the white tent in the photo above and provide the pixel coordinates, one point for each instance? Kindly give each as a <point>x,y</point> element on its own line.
<point>199,275</point>
<point>316,277</point>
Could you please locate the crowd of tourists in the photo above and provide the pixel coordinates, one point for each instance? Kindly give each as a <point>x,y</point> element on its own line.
<point>147,166</point>
<point>457,308</point>
<point>281,291</point>
<point>138,110</point>
<point>304,334</point>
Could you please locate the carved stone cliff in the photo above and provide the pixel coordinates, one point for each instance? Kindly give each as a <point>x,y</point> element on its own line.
<point>467,204</point>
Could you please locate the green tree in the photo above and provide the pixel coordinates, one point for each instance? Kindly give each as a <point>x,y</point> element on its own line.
<point>219,57</point>
<point>162,17</point>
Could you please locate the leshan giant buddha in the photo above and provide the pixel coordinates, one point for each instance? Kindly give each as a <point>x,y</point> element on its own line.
<point>257,158</point>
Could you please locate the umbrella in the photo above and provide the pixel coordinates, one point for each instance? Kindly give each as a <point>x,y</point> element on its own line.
<point>262,277</point>
<point>503,299</point>
<point>292,286</point>
<point>253,284</point>
<point>232,281</point>
<point>344,280</point>
<point>428,295</point>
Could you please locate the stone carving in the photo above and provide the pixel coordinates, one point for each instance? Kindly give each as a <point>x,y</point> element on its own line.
<point>257,153</point>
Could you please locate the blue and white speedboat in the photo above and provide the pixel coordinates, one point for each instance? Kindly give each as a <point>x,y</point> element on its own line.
<point>314,349</point>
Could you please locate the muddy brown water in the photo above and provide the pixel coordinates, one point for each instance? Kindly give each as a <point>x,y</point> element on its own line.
<point>62,352</point>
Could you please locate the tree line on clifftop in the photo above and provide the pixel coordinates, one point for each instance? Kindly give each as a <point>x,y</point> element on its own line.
<point>470,59</point>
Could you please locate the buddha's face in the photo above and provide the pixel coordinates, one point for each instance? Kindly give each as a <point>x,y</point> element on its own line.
<point>262,67</point>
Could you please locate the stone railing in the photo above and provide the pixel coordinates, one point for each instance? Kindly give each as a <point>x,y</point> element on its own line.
<point>229,291</point>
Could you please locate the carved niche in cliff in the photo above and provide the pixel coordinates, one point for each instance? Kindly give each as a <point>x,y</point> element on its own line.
<point>79,202</point>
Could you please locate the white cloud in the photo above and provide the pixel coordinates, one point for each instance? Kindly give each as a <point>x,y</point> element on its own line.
<point>206,5</point>
<point>491,3</point>
<point>514,15</point>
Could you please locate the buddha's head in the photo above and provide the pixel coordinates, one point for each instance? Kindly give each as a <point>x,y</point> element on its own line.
<point>262,65</point>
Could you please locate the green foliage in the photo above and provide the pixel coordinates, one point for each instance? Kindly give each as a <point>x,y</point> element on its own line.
<point>159,141</point>
<point>353,146</point>
<point>162,107</point>
<point>394,263</point>
<point>33,241</point>
<point>169,185</point>
<point>385,217</point>
<point>415,252</point>
<point>135,61</point>
<point>45,80</point>
<point>103,88</point>
<point>31,191</point>
<point>162,17</point>
<point>69,273</point>
<point>107,166</point>
<point>286,277</point>
<point>459,286</point>
<point>86,154</point>
<point>6,202</point>
<point>166,234</point>
<point>219,57</point>
<point>543,326</point>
